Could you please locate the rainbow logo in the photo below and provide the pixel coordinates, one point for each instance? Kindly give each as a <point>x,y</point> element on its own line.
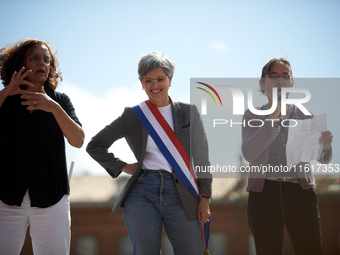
<point>211,88</point>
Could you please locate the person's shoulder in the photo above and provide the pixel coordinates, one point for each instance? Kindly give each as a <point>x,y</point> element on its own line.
<point>129,113</point>
<point>128,110</point>
<point>183,106</point>
<point>249,114</point>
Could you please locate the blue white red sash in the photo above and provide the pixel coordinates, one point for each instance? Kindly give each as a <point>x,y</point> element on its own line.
<point>168,143</point>
<point>173,150</point>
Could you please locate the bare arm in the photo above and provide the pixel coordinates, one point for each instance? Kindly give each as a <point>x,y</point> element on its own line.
<point>3,95</point>
<point>71,130</point>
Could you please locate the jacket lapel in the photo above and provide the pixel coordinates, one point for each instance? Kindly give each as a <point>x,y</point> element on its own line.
<point>144,140</point>
<point>177,118</point>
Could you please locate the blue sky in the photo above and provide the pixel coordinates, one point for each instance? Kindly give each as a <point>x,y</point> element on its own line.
<point>99,44</point>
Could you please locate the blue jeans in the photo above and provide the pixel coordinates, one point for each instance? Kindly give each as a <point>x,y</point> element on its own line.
<point>152,202</point>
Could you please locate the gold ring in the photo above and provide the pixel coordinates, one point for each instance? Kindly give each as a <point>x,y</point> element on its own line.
<point>35,103</point>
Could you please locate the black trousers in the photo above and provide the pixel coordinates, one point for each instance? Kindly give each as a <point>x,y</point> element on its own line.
<point>284,204</point>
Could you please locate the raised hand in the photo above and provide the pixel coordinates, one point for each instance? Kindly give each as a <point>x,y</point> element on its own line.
<point>18,78</point>
<point>326,140</point>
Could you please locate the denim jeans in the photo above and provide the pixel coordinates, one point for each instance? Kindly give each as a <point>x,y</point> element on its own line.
<point>284,204</point>
<point>153,202</point>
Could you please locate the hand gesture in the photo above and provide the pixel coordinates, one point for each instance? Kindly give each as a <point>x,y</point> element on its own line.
<point>18,78</point>
<point>38,101</point>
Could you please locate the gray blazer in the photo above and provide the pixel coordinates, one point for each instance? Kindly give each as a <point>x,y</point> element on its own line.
<point>190,132</point>
<point>255,148</point>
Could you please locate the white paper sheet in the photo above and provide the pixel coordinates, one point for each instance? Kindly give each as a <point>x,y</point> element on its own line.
<point>303,140</point>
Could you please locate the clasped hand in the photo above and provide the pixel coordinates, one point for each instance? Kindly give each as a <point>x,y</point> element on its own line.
<point>18,78</point>
<point>34,100</point>
<point>38,101</point>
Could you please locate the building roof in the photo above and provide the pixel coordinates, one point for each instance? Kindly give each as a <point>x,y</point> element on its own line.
<point>92,189</point>
<point>102,190</point>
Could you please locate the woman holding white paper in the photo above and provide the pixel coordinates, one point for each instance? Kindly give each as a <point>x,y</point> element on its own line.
<point>280,198</point>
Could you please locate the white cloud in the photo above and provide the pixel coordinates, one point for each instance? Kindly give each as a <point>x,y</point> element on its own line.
<point>95,112</point>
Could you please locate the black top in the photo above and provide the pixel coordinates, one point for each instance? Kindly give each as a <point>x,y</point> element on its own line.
<point>32,152</point>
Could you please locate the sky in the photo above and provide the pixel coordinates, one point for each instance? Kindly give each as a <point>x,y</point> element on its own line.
<point>99,44</point>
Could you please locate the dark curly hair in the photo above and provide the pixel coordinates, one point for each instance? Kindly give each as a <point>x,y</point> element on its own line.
<point>12,60</point>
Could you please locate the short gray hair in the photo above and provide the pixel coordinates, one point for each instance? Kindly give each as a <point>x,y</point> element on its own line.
<point>154,60</point>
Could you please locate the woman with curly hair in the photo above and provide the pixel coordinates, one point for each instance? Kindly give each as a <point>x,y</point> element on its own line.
<point>34,188</point>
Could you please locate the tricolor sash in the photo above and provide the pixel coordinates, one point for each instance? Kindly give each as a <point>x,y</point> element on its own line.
<point>173,150</point>
<point>168,143</point>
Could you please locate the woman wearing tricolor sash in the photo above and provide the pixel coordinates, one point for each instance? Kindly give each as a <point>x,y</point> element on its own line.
<point>166,137</point>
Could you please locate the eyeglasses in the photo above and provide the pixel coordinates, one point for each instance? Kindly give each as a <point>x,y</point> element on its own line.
<point>274,77</point>
<point>35,58</point>
<point>159,80</point>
